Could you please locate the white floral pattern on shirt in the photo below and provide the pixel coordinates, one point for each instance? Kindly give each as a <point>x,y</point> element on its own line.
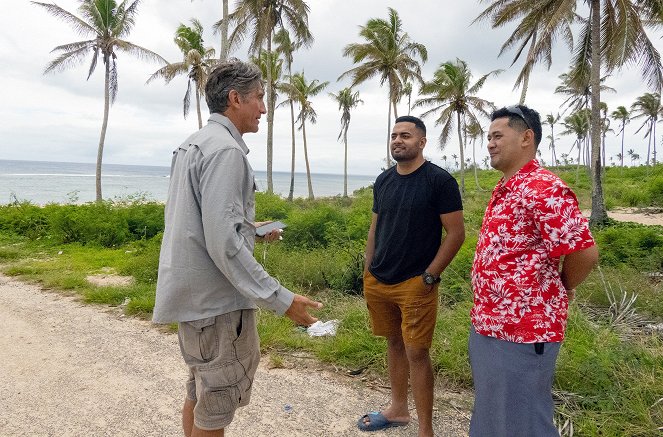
<point>531,221</point>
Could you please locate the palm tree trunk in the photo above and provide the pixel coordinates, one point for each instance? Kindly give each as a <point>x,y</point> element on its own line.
<point>623,126</point>
<point>308,168</point>
<point>654,150</point>
<point>104,126</point>
<point>292,158</point>
<point>580,154</point>
<point>530,55</point>
<point>223,53</point>
<point>389,132</point>
<point>599,215</point>
<point>270,118</point>
<point>345,164</point>
<point>651,126</point>
<point>462,155</point>
<point>200,117</point>
<point>476,171</point>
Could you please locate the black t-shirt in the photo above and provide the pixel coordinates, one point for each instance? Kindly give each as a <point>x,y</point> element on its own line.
<point>408,232</point>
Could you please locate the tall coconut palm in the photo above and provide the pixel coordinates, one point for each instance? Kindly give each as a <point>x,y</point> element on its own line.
<point>286,48</point>
<point>578,124</point>
<point>347,100</point>
<point>299,90</point>
<point>388,53</point>
<point>260,19</point>
<point>648,106</point>
<point>541,23</point>
<point>605,128</point>
<point>575,86</point>
<point>551,120</point>
<point>198,60</point>
<point>452,94</point>
<point>475,132</point>
<point>271,65</point>
<point>622,115</point>
<point>613,35</point>
<point>106,23</point>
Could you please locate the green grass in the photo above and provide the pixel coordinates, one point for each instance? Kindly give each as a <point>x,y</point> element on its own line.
<point>612,384</point>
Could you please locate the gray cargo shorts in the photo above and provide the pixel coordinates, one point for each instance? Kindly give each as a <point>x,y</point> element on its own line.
<point>222,354</point>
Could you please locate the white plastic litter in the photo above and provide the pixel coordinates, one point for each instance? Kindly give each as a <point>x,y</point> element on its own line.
<point>319,329</point>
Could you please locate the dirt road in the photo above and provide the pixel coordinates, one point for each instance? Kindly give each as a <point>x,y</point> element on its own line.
<point>69,369</point>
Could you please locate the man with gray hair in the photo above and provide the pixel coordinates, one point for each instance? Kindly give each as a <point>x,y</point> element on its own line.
<point>209,282</point>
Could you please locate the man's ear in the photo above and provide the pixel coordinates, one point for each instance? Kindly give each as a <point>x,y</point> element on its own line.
<point>529,139</point>
<point>234,98</point>
<point>422,143</point>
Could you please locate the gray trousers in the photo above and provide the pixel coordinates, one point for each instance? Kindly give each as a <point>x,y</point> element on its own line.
<point>513,388</point>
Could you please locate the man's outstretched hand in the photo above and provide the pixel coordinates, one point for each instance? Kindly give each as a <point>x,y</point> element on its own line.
<point>298,311</point>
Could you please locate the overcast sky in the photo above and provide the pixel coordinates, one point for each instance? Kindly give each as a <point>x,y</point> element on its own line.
<point>58,117</point>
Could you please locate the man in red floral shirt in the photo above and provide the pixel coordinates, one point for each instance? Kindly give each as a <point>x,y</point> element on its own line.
<point>520,295</point>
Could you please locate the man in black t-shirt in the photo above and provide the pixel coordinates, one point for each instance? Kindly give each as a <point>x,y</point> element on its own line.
<point>405,255</point>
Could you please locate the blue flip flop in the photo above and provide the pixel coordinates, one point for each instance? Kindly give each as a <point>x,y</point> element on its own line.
<point>377,421</point>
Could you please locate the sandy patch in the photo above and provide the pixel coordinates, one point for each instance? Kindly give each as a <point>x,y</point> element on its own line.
<point>644,216</point>
<point>110,280</point>
<point>72,369</point>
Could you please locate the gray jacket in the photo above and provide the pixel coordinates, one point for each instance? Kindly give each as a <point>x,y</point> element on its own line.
<point>206,266</point>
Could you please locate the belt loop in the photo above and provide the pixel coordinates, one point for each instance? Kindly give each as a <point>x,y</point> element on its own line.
<point>538,348</point>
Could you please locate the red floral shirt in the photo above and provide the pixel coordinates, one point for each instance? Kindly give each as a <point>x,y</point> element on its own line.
<point>531,220</point>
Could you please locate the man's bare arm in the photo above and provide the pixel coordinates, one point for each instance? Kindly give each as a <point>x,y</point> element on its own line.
<point>577,266</point>
<point>370,243</point>
<point>455,229</point>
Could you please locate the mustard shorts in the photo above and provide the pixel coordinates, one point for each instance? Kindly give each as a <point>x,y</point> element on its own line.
<point>408,308</point>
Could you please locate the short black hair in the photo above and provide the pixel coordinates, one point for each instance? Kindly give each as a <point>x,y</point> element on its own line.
<point>411,119</point>
<point>529,119</point>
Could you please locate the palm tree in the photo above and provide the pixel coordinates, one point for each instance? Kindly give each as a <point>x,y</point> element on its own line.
<point>299,90</point>
<point>541,24</point>
<point>346,100</point>
<point>575,86</point>
<point>455,157</point>
<point>452,94</point>
<point>648,106</point>
<point>407,91</point>
<point>474,131</point>
<point>261,18</point>
<point>271,65</point>
<point>197,63</point>
<point>286,47</point>
<point>552,120</point>
<point>611,37</point>
<point>106,23</point>
<point>622,115</point>
<point>605,128</point>
<point>578,124</point>
<point>388,53</point>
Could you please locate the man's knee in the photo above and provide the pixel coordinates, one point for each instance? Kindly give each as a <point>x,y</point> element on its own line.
<point>417,354</point>
<point>395,343</point>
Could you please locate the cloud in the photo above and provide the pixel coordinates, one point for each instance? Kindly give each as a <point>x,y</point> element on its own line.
<point>58,116</point>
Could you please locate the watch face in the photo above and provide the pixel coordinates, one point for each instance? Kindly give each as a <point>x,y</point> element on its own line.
<point>429,279</point>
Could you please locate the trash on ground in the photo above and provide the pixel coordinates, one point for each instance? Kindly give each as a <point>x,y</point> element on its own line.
<point>319,329</point>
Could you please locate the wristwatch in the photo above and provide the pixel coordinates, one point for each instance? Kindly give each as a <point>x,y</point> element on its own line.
<point>429,279</point>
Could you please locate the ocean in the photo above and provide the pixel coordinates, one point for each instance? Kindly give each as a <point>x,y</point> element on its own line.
<point>42,182</point>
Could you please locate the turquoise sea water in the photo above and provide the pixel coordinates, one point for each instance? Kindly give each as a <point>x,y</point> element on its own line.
<point>43,182</point>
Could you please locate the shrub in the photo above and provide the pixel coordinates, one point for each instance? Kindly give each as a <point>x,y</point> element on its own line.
<point>98,223</point>
<point>271,207</point>
<point>24,218</point>
<point>144,220</point>
<point>631,244</point>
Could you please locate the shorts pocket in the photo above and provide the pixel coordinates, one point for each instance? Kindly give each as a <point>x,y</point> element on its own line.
<point>199,339</point>
<point>224,387</point>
